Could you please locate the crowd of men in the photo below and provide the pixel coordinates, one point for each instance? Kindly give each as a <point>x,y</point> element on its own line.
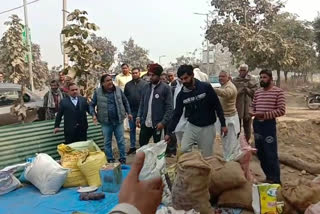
<point>180,107</point>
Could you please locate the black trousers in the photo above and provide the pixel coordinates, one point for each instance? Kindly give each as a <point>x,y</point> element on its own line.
<point>78,134</point>
<point>146,133</point>
<point>265,134</point>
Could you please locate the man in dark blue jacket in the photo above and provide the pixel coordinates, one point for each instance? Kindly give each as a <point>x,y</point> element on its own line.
<point>133,91</point>
<point>74,110</point>
<point>201,105</point>
<point>155,108</point>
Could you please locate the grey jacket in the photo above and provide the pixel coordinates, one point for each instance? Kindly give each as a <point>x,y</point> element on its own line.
<point>161,104</point>
<point>101,101</point>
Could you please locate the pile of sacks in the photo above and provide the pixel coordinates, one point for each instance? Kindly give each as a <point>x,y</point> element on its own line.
<point>84,160</point>
<point>80,166</point>
<point>302,196</point>
<point>200,184</point>
<point>199,181</point>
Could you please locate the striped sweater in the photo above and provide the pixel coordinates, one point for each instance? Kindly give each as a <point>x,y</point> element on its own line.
<point>272,102</point>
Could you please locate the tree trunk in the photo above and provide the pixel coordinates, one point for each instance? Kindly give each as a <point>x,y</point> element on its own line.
<point>305,77</point>
<point>286,76</point>
<point>289,160</point>
<point>278,78</point>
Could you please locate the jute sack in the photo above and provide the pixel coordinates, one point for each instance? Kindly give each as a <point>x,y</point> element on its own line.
<point>90,167</point>
<point>69,159</point>
<point>301,195</point>
<point>240,197</point>
<point>287,209</point>
<point>224,175</point>
<point>190,188</point>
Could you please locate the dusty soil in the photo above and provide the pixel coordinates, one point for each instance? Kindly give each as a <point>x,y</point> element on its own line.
<point>298,134</point>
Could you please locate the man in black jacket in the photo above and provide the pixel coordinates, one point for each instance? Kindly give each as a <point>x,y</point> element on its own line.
<point>74,110</point>
<point>155,107</point>
<point>133,91</point>
<point>201,105</point>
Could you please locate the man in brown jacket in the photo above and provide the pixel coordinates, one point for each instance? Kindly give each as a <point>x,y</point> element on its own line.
<point>246,86</point>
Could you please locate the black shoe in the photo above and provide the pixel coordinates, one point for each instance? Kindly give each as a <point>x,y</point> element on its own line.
<point>132,151</point>
<point>123,161</point>
<point>111,161</point>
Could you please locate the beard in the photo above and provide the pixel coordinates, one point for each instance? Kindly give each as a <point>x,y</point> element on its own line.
<point>264,84</point>
<point>187,84</point>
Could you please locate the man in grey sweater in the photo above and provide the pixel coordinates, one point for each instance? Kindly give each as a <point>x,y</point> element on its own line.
<point>112,107</point>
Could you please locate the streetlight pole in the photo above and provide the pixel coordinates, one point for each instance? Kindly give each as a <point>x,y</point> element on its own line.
<point>28,44</point>
<point>208,55</point>
<point>64,23</point>
<point>160,58</point>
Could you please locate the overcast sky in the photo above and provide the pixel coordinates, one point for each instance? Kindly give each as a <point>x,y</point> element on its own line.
<point>166,27</point>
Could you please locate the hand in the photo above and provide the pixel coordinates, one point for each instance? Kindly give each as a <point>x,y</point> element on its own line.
<point>130,117</point>
<point>95,121</point>
<point>167,138</point>
<point>145,195</point>
<point>224,131</point>
<point>251,113</point>
<point>56,130</point>
<point>160,126</point>
<point>138,123</point>
<point>258,115</point>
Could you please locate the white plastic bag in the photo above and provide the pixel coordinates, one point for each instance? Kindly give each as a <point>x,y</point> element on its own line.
<point>155,160</point>
<point>8,182</point>
<point>46,174</point>
<point>154,165</point>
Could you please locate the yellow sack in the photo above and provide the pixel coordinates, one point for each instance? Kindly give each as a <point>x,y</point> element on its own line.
<point>90,167</point>
<point>69,159</point>
<point>85,145</point>
<point>265,198</point>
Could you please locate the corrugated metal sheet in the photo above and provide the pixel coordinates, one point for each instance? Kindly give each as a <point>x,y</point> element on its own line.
<point>21,141</point>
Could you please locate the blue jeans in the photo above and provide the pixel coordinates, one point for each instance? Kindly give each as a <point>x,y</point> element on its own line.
<point>107,130</point>
<point>132,125</point>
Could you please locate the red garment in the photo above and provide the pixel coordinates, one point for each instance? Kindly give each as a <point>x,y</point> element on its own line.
<point>272,102</point>
<point>56,99</point>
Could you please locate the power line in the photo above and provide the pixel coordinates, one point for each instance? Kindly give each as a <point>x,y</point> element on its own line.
<point>6,11</point>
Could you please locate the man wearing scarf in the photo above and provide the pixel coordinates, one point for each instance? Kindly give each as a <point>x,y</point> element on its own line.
<point>52,100</point>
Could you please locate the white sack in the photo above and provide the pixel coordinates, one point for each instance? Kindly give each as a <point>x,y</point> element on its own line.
<point>46,174</point>
<point>154,164</point>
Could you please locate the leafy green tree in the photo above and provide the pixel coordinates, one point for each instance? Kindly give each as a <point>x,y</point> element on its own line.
<point>39,68</point>
<point>134,55</point>
<point>316,26</point>
<point>84,57</point>
<point>12,56</point>
<point>106,48</point>
<point>300,38</point>
<point>190,59</point>
<point>244,27</point>
<point>13,52</point>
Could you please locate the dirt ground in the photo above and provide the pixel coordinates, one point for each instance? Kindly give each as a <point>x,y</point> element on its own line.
<point>298,134</point>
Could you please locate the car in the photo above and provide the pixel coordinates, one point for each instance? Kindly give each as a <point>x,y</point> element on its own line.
<point>214,81</point>
<point>9,93</point>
